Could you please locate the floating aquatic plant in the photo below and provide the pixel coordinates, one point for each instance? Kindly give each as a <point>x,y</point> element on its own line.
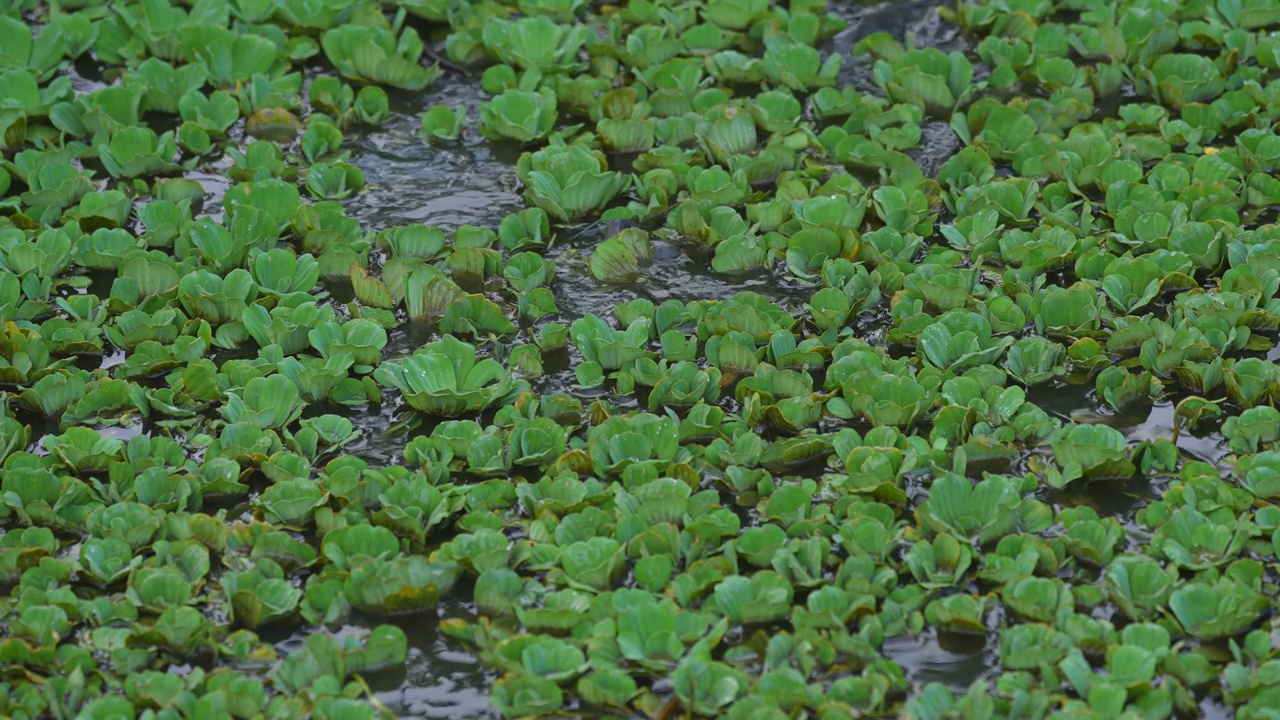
<point>970,278</point>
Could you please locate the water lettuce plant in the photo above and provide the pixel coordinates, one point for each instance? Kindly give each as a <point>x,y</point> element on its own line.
<point>569,182</point>
<point>448,378</point>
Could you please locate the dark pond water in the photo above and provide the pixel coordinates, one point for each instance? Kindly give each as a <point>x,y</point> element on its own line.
<point>474,182</point>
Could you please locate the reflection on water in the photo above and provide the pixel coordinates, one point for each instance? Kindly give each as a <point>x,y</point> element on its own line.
<point>439,680</point>
<point>916,18</point>
<point>1078,403</point>
<point>1205,443</point>
<point>411,181</point>
<point>953,660</point>
<point>1123,499</point>
<point>674,275</point>
<point>1214,709</point>
<point>377,444</point>
<point>215,184</point>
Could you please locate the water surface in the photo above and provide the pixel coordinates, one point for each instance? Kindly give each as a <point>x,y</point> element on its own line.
<point>474,182</point>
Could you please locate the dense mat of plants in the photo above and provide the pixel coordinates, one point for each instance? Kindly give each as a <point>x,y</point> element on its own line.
<point>739,499</point>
